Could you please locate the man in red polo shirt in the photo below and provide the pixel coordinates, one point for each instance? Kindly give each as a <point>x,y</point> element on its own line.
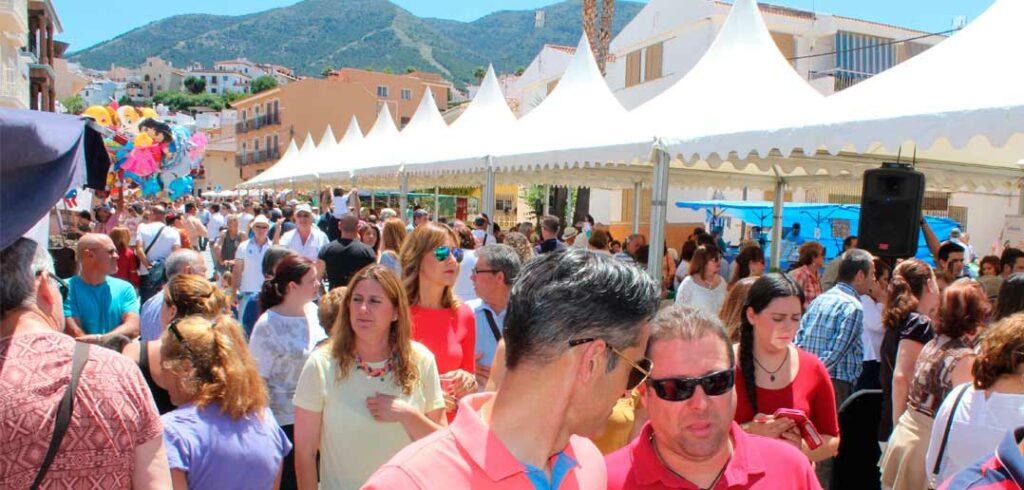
<point>575,334</point>
<point>691,441</point>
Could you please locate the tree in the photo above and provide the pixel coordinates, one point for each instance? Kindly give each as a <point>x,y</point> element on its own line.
<point>387,70</point>
<point>195,85</point>
<point>125,100</point>
<point>261,83</point>
<point>599,38</point>
<point>519,70</point>
<point>479,73</point>
<point>74,104</point>
<point>410,69</point>
<point>326,72</point>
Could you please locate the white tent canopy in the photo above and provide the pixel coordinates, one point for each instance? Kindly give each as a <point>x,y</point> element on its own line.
<point>380,142</point>
<point>334,163</point>
<point>271,175</point>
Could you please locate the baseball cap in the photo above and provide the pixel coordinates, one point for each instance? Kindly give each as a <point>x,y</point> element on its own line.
<point>303,208</point>
<point>261,219</point>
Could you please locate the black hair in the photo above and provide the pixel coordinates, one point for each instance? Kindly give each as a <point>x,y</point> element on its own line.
<point>576,294</point>
<point>743,261</point>
<point>290,269</point>
<point>949,248</point>
<point>765,290</point>
<point>85,214</point>
<point>159,127</point>
<point>1009,258</point>
<point>274,255</point>
<point>190,206</point>
<point>215,208</point>
<point>287,212</point>
<point>1011,297</point>
<point>848,242</point>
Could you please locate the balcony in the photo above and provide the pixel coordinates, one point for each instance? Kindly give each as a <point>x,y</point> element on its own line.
<point>14,87</point>
<point>258,156</point>
<point>257,122</point>
<point>14,18</point>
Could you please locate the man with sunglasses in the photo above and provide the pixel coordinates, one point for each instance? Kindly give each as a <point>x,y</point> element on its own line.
<point>691,440</point>
<point>343,257</point>
<point>493,275</point>
<point>99,305</point>
<point>575,334</point>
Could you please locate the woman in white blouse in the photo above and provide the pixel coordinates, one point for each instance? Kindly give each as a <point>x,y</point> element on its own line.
<point>283,337</point>
<point>873,332</point>
<point>989,408</point>
<point>703,288</point>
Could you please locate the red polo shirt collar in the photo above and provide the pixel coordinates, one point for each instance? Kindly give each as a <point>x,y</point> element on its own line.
<point>486,450</point>
<point>745,464</point>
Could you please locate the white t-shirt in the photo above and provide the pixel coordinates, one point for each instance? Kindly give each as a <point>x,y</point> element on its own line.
<point>979,425</point>
<point>483,238</point>
<point>709,300</point>
<point>464,289</point>
<point>280,345</point>
<point>347,460</point>
<point>243,223</point>
<point>873,331</point>
<point>310,249</point>
<point>251,254</point>
<point>217,220</point>
<point>163,246</point>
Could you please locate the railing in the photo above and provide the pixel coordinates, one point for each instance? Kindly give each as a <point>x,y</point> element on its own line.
<point>258,156</point>
<point>257,122</point>
<point>13,84</point>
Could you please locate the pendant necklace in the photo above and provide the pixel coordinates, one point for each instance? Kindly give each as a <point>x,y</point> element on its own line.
<point>373,372</point>
<point>771,374</point>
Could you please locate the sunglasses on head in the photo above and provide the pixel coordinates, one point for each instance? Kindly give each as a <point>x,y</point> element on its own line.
<point>681,389</point>
<point>640,370</point>
<point>441,253</point>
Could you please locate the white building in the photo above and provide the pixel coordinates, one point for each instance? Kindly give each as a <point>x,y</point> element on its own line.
<point>14,67</point>
<point>101,92</point>
<point>280,73</point>
<point>540,77</point>
<point>222,81</point>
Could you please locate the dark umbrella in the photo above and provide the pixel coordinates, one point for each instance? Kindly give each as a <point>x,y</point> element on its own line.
<point>39,155</point>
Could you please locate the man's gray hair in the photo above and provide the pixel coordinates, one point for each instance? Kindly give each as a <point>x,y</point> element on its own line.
<point>854,260</point>
<point>22,261</point>
<point>503,258</point>
<point>179,259</point>
<point>688,323</point>
<point>573,295</point>
<point>387,213</point>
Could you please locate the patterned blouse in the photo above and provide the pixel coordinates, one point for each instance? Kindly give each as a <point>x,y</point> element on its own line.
<point>934,371</point>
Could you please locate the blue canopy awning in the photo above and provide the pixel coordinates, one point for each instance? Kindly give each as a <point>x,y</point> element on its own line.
<point>827,224</point>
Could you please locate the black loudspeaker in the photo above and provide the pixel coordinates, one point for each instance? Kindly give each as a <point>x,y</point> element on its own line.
<point>890,210</point>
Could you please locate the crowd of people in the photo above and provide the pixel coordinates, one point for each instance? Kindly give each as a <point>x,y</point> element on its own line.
<point>318,343</point>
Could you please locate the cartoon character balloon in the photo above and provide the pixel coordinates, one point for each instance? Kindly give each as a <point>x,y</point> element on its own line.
<point>100,115</point>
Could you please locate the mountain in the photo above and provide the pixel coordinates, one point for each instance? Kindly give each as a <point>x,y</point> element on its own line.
<point>313,34</point>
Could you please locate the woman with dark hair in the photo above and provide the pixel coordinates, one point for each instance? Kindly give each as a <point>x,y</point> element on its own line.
<point>430,264</point>
<point>912,299</point>
<point>945,362</point>
<point>749,263</point>
<point>369,234</point>
<point>873,332</point>
<point>369,392</point>
<point>704,288</point>
<point>222,435</point>
<point>812,259</point>
<point>774,373</point>
<point>685,256</point>
<point>1011,297</point>
<point>284,336</point>
<point>989,407</point>
<point>988,275</point>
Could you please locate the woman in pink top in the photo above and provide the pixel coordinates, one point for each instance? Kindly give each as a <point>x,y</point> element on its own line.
<point>430,264</point>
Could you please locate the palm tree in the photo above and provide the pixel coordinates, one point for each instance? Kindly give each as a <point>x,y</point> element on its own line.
<point>599,39</point>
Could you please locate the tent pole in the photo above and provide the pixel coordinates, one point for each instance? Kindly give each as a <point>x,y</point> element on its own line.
<point>637,189</point>
<point>489,193</point>
<point>780,189</point>
<point>373,200</point>
<point>547,200</point>
<point>659,213</point>
<point>403,194</point>
<point>437,205</point>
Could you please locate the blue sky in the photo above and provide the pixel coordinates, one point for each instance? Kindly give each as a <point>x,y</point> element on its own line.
<point>86,23</point>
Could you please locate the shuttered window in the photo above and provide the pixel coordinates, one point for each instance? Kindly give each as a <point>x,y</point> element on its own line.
<point>652,63</point>
<point>633,68</point>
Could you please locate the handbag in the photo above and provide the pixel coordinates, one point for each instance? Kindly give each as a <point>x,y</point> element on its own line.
<point>64,409</point>
<point>945,438</point>
<point>156,268</point>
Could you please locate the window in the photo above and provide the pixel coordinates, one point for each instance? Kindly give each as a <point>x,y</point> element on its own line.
<point>552,84</point>
<point>652,63</point>
<point>256,144</point>
<point>213,90</point>
<point>404,122</point>
<point>406,94</point>
<point>382,91</point>
<point>213,80</point>
<point>633,68</point>
<point>224,78</point>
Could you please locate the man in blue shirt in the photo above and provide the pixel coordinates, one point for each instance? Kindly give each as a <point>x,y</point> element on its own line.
<point>181,261</point>
<point>832,325</point>
<point>99,306</point>
<point>496,269</point>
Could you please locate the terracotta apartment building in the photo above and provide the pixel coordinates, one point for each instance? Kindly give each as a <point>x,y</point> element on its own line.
<point>269,120</point>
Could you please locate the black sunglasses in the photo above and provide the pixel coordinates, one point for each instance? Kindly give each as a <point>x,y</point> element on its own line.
<point>681,389</point>
<point>641,369</point>
<point>173,328</point>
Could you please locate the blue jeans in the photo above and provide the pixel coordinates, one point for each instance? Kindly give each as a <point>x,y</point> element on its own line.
<point>249,311</point>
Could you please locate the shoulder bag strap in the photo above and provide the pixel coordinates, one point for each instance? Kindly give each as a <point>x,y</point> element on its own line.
<point>67,402</point>
<point>945,433</point>
<point>155,238</point>
<point>493,324</point>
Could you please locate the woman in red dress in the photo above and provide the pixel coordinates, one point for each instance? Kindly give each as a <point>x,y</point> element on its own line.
<point>127,262</point>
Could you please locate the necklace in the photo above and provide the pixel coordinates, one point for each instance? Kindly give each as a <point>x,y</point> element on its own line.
<point>713,482</point>
<point>373,372</point>
<point>771,374</point>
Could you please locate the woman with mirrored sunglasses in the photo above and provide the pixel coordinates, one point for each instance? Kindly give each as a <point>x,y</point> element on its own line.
<point>773,373</point>
<point>430,260</point>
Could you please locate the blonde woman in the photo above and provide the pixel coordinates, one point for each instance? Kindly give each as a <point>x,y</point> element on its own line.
<point>213,379</point>
<point>184,295</point>
<point>392,239</point>
<point>430,264</point>
<point>372,383</point>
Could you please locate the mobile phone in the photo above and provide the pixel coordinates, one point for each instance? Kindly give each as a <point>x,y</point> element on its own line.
<point>807,430</point>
